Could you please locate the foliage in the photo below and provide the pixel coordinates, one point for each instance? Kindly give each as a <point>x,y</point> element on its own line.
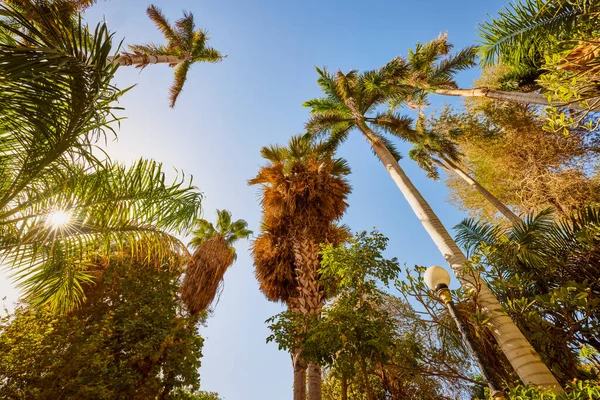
<point>545,273</point>
<point>366,337</point>
<point>56,103</point>
<point>580,390</point>
<point>507,149</point>
<point>131,339</point>
<point>555,42</point>
<point>526,30</point>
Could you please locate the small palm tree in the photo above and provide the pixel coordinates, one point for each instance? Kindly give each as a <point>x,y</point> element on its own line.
<point>214,254</point>
<point>350,101</point>
<point>185,46</point>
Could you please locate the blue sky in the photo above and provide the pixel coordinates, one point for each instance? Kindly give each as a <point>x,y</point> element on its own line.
<point>228,111</point>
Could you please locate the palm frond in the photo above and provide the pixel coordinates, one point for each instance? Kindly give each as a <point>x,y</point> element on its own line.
<point>519,31</point>
<point>156,15</point>
<point>181,71</point>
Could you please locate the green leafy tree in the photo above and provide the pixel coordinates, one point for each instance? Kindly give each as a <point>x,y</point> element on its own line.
<point>132,339</point>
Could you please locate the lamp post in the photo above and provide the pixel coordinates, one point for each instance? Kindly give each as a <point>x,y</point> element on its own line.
<point>438,279</point>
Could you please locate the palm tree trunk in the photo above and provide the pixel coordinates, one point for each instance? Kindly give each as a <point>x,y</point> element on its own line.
<point>299,376</point>
<point>314,382</point>
<point>517,97</point>
<point>521,355</point>
<point>504,210</point>
<point>141,60</point>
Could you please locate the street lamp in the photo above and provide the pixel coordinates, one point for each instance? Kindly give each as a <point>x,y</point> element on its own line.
<point>438,279</point>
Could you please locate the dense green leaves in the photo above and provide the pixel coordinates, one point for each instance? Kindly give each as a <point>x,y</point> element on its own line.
<point>132,339</point>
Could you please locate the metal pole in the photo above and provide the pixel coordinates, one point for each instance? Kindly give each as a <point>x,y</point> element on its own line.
<point>443,291</point>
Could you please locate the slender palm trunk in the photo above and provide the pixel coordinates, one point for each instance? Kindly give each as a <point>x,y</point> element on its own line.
<point>517,97</point>
<point>504,210</point>
<point>521,355</point>
<point>310,298</point>
<point>141,60</point>
<point>299,376</point>
<point>314,382</point>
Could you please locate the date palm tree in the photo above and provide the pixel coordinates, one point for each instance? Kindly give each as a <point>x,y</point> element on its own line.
<point>61,205</point>
<point>185,46</point>
<point>214,254</point>
<point>434,149</point>
<point>304,193</point>
<point>350,102</point>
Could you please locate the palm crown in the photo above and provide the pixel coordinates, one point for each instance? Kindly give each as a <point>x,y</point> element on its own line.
<point>303,189</point>
<point>231,231</point>
<point>332,115</point>
<point>183,41</point>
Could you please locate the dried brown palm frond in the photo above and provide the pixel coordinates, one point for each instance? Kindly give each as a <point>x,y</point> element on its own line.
<point>204,273</point>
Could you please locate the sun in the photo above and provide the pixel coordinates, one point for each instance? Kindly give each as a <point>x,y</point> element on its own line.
<point>58,219</point>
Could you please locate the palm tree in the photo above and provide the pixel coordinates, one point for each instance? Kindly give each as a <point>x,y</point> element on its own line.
<point>433,149</point>
<point>431,68</point>
<point>185,46</point>
<point>304,193</point>
<point>60,205</point>
<point>350,101</point>
<point>214,254</point>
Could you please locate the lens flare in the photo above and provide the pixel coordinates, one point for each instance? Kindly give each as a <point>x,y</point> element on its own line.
<point>58,219</point>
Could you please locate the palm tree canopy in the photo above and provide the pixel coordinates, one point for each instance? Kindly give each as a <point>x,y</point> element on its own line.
<point>429,67</point>
<point>304,190</point>
<point>332,118</point>
<point>183,41</point>
<point>230,231</point>
<point>431,146</point>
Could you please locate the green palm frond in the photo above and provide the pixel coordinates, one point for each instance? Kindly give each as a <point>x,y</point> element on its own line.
<point>173,37</point>
<point>230,231</point>
<point>520,32</point>
<point>424,160</point>
<point>185,27</point>
<point>181,72</point>
<point>57,99</point>
<point>472,233</point>
<point>110,208</point>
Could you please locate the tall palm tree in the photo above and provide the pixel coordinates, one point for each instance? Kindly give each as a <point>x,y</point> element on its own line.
<point>304,193</point>
<point>60,204</point>
<point>186,45</point>
<point>350,102</point>
<point>432,149</point>
<point>214,254</point>
<point>431,68</point>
